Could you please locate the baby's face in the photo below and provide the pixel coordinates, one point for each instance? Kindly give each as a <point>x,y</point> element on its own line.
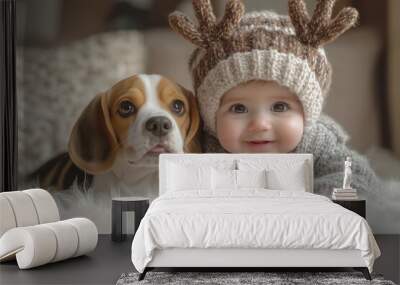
<point>260,116</point>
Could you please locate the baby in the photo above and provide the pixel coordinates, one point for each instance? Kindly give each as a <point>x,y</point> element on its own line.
<point>271,119</point>
<point>261,80</point>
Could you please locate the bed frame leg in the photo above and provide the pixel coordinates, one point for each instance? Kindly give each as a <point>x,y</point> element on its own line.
<point>364,271</point>
<point>143,274</point>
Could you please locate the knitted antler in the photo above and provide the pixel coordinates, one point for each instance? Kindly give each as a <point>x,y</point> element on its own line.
<point>321,29</point>
<point>208,30</point>
<point>234,10</point>
<point>205,14</point>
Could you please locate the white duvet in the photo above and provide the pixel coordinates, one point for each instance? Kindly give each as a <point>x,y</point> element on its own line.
<point>252,218</point>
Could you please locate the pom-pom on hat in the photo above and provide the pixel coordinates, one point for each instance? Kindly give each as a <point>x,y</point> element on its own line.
<point>261,46</point>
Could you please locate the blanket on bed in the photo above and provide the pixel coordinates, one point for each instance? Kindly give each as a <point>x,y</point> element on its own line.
<point>252,218</point>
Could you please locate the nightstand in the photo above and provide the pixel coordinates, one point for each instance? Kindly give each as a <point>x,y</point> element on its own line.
<point>139,205</point>
<point>357,206</point>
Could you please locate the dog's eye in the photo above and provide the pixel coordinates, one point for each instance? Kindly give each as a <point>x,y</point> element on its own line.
<point>178,107</point>
<point>126,108</point>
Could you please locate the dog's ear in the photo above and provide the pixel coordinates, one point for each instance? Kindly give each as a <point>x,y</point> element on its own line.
<point>93,145</point>
<point>192,139</point>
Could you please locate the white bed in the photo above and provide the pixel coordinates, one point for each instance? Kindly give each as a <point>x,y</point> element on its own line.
<point>241,210</point>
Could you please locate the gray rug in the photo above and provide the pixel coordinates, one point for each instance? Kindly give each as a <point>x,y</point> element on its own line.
<point>269,278</point>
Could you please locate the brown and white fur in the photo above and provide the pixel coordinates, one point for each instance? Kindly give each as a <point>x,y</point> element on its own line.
<point>116,141</point>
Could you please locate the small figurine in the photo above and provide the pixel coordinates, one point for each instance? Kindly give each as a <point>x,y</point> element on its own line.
<point>347,173</point>
<point>346,192</point>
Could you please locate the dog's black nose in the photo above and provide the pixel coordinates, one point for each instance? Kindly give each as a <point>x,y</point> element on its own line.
<point>159,126</point>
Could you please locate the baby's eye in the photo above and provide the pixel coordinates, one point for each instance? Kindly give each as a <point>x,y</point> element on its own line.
<point>238,108</point>
<point>280,107</point>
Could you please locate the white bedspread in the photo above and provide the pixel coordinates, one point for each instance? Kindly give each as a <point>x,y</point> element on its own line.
<point>250,218</point>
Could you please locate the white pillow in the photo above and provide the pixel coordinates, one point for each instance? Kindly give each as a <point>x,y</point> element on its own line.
<point>290,179</point>
<point>224,179</point>
<point>251,178</point>
<point>282,173</point>
<point>184,177</point>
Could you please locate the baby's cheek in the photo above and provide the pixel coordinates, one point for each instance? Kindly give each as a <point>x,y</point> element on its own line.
<point>223,131</point>
<point>227,133</point>
<point>294,133</point>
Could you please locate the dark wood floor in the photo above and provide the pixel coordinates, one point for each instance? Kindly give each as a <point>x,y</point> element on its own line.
<point>103,266</point>
<point>110,260</point>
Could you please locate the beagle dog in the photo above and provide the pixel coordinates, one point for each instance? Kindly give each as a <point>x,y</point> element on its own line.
<point>114,145</point>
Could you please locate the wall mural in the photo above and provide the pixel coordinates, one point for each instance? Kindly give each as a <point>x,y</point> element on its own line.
<point>93,122</point>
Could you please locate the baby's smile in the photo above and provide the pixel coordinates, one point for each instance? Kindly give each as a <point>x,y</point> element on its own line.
<point>257,145</point>
<point>258,142</point>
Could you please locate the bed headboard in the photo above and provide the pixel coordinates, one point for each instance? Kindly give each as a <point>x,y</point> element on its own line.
<point>232,161</point>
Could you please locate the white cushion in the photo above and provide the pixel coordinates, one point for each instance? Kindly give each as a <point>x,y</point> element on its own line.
<point>290,179</point>
<point>26,208</point>
<point>40,244</point>
<point>183,177</point>
<point>45,206</point>
<point>87,233</point>
<point>283,174</point>
<point>31,246</point>
<point>66,236</point>
<point>34,244</point>
<point>251,178</point>
<point>224,179</point>
<point>231,180</point>
<point>23,208</point>
<point>188,161</point>
<point>7,215</point>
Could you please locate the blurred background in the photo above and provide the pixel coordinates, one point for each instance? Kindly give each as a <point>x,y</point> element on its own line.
<point>69,50</point>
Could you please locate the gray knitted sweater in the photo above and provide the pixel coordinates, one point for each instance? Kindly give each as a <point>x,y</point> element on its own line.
<point>326,140</point>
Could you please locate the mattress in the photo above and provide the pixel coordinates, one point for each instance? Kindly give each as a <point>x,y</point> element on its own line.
<point>251,219</point>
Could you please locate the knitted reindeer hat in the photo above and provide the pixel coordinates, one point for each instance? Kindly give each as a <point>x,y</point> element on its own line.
<point>264,46</point>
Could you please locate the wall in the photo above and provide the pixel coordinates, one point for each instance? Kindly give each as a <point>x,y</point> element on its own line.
<point>394,74</point>
<point>43,19</point>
